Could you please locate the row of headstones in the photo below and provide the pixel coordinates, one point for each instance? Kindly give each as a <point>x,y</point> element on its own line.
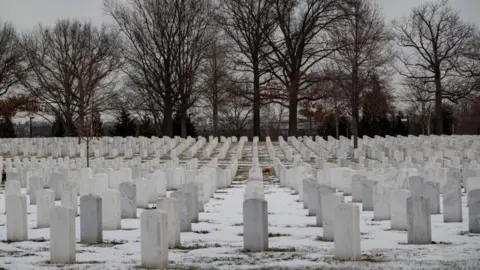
<point>254,148</point>
<point>224,149</point>
<point>149,185</point>
<point>313,149</point>
<point>101,147</point>
<point>304,151</point>
<point>451,146</point>
<point>407,211</point>
<point>240,145</point>
<point>270,148</point>
<point>364,190</point>
<point>420,148</point>
<point>342,142</point>
<point>387,199</point>
<point>287,150</point>
<point>74,163</point>
<point>207,151</point>
<point>160,229</point>
<point>469,178</point>
<point>181,147</point>
<point>84,183</point>
<point>190,197</point>
<point>192,151</point>
<point>318,147</point>
<point>255,222</point>
<point>23,170</point>
<point>145,150</point>
<point>175,175</point>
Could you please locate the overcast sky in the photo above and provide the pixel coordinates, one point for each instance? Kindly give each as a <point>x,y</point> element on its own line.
<point>25,14</point>
<point>28,13</point>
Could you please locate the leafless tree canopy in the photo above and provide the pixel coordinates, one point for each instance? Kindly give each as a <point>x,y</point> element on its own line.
<point>195,37</point>
<point>363,40</point>
<point>11,58</point>
<point>435,41</point>
<point>216,77</point>
<point>237,63</point>
<point>301,41</point>
<point>165,45</point>
<point>72,68</point>
<point>249,23</point>
<point>235,116</point>
<point>418,95</point>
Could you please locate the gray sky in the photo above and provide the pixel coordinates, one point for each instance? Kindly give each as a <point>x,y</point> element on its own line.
<point>28,13</point>
<point>25,14</point>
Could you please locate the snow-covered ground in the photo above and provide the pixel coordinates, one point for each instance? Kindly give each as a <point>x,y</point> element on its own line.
<point>216,241</point>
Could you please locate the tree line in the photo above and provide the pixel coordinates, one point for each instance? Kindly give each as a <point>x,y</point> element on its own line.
<point>242,63</point>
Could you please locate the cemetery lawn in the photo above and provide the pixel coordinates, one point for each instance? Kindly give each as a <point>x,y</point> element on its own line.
<point>216,242</point>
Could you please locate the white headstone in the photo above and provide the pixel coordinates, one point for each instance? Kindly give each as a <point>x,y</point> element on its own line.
<point>45,202</point>
<point>381,202</point>
<point>255,225</point>
<point>398,209</point>
<point>16,214</point>
<point>128,192</point>
<point>474,211</point>
<point>111,210</point>
<point>69,193</point>
<point>347,232</point>
<point>185,217</point>
<point>154,239</point>
<point>62,235</point>
<point>330,202</point>
<point>172,208</point>
<point>452,201</point>
<point>419,224</point>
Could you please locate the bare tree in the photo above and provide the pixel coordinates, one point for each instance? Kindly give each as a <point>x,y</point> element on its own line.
<point>11,58</point>
<point>364,40</point>
<point>151,33</point>
<point>301,43</point>
<point>235,116</point>
<point>335,101</point>
<point>72,69</point>
<point>435,40</point>
<point>248,23</point>
<point>216,77</point>
<point>420,100</point>
<point>165,44</point>
<point>195,37</point>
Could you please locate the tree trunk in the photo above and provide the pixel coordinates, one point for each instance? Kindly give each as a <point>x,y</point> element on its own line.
<point>67,132</point>
<point>438,105</point>
<point>215,91</point>
<point>355,106</point>
<point>183,119</point>
<point>356,124</point>
<point>167,116</point>
<point>215,118</point>
<point>293,107</point>
<point>429,120</point>
<point>311,125</point>
<point>81,113</point>
<point>337,126</point>
<point>157,123</point>
<point>81,125</point>
<point>292,116</point>
<point>256,100</point>
<point>87,154</point>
